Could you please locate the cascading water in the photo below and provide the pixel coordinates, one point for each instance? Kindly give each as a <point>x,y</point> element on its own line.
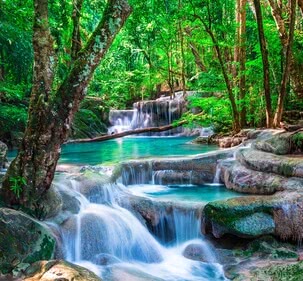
<point>109,239</point>
<point>217,176</point>
<point>153,113</point>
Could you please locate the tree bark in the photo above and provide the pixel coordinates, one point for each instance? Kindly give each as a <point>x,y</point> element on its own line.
<point>288,58</point>
<point>296,74</point>
<point>181,36</point>
<point>50,117</point>
<point>195,52</point>
<point>264,53</point>
<point>240,57</point>
<point>76,37</point>
<point>300,4</point>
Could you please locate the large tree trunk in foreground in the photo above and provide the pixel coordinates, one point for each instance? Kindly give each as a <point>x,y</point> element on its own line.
<point>51,115</point>
<point>264,53</point>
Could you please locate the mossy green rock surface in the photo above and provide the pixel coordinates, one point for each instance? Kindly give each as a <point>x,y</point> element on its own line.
<point>22,240</point>
<point>252,216</point>
<point>276,272</point>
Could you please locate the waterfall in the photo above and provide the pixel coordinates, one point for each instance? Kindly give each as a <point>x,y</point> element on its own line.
<point>178,226</point>
<point>104,236</point>
<point>152,113</point>
<point>120,120</point>
<point>217,176</point>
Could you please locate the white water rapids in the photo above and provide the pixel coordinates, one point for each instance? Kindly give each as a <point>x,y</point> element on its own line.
<point>115,243</point>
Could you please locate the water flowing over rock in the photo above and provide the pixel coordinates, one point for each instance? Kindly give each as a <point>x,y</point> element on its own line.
<point>126,237</point>
<point>102,229</point>
<point>190,170</point>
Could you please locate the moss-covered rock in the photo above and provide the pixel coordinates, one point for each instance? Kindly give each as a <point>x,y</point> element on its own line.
<point>275,271</point>
<point>22,240</point>
<point>253,216</point>
<point>58,270</point>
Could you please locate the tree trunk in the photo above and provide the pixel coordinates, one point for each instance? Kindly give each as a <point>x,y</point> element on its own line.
<point>235,113</point>
<point>131,132</point>
<point>181,36</point>
<point>228,83</point>
<point>264,53</point>
<point>195,52</point>
<point>50,117</point>
<point>240,57</point>
<point>76,37</point>
<point>286,72</point>
<point>300,4</point>
<point>296,74</point>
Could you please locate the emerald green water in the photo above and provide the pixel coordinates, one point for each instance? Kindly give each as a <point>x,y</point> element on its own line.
<point>130,148</point>
<point>184,193</point>
<point>127,148</point>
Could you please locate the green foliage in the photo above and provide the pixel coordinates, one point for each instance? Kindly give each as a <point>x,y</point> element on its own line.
<point>17,185</point>
<point>147,57</point>
<point>216,112</point>
<point>16,55</point>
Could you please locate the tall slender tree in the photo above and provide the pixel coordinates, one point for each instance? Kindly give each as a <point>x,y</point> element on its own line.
<point>287,64</point>
<point>240,56</point>
<point>264,53</point>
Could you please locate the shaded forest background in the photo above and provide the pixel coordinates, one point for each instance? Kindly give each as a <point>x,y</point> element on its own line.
<point>212,47</point>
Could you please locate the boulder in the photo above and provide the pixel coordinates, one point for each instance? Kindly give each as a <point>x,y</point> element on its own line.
<point>254,216</point>
<point>50,204</point>
<point>127,273</point>
<point>198,252</point>
<point>282,143</point>
<point>105,259</point>
<point>230,141</point>
<point>239,178</point>
<point>22,240</point>
<point>270,163</point>
<point>58,270</point>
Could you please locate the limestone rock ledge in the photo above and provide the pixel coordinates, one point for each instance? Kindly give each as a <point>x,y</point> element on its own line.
<point>253,216</point>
